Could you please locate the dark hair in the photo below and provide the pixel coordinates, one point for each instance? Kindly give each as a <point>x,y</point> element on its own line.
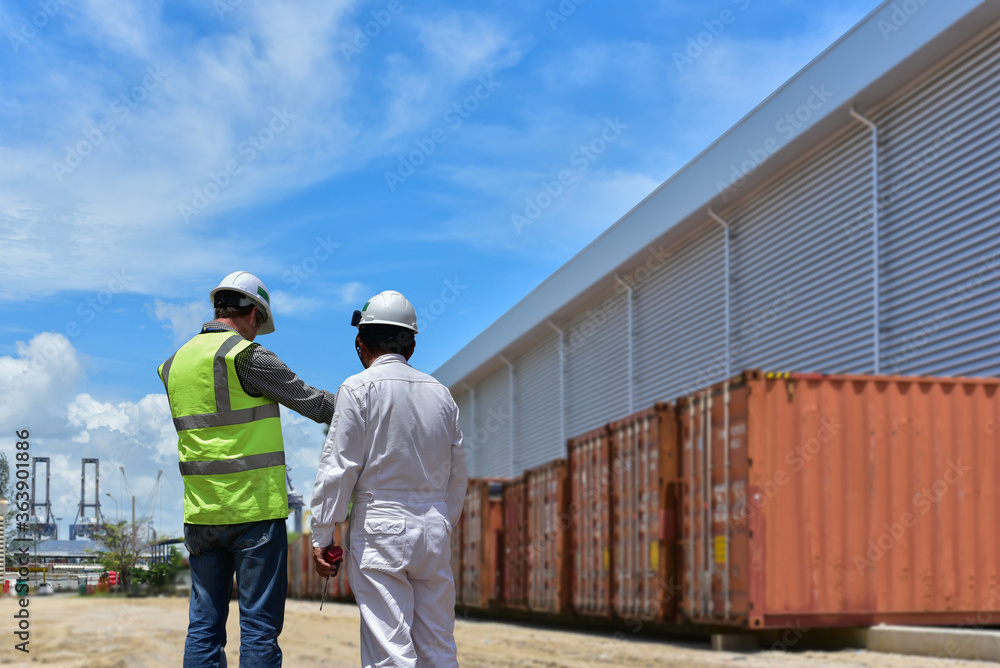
<point>222,310</point>
<point>386,338</point>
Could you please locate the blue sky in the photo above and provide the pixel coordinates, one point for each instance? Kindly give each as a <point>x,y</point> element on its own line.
<point>335,149</point>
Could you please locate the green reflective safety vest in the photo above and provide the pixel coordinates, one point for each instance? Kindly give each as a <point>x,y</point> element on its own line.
<point>232,457</point>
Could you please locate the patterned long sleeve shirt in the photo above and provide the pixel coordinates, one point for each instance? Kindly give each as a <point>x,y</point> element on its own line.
<point>262,374</point>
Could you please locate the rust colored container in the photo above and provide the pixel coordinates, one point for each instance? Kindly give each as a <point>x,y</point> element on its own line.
<point>590,518</point>
<point>456,556</point>
<point>548,537</point>
<point>296,568</point>
<point>516,548</point>
<point>644,477</point>
<point>482,524</point>
<point>841,501</point>
<point>303,580</point>
<point>340,587</point>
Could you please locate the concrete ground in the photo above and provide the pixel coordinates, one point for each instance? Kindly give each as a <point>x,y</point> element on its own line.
<point>93,632</point>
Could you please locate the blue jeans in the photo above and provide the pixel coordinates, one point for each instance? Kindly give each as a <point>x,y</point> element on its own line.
<point>257,553</point>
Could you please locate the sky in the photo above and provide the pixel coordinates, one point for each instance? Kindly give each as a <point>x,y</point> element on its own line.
<point>336,149</point>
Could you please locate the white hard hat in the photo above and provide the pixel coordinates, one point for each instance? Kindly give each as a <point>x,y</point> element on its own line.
<point>253,291</point>
<point>387,308</point>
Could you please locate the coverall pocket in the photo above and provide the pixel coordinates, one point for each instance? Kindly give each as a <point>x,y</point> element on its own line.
<point>385,542</point>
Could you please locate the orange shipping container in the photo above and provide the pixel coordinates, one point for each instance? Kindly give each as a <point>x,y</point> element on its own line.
<point>590,519</point>
<point>515,544</point>
<point>303,580</point>
<point>340,587</point>
<point>643,483</point>
<point>841,500</point>
<point>548,536</point>
<point>456,557</point>
<point>482,523</point>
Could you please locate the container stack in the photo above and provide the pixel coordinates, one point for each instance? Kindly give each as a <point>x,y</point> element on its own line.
<point>549,537</point>
<point>590,513</point>
<point>767,500</point>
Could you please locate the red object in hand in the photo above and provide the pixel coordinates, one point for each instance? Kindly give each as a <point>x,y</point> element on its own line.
<point>333,555</point>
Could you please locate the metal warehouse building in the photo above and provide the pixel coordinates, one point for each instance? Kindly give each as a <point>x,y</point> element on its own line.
<point>850,224</point>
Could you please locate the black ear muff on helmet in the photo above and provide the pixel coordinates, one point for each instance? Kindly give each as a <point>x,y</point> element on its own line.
<point>225,298</point>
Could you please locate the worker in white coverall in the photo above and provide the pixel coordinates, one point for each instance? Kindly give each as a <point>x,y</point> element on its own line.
<point>395,446</point>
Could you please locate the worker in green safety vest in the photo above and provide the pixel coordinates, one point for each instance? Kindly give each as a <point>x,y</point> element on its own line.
<point>224,392</point>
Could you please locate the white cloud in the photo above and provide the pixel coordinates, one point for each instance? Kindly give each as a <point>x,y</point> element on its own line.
<point>38,393</point>
<point>292,304</point>
<point>184,320</point>
<point>190,104</point>
<point>352,293</point>
<point>33,384</point>
<point>287,304</point>
<point>146,423</point>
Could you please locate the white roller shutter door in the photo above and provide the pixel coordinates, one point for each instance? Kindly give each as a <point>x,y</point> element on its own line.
<point>941,221</point>
<point>802,276</point>
<point>536,406</point>
<point>491,438</point>
<point>679,320</point>
<point>597,364</point>
<point>463,397</point>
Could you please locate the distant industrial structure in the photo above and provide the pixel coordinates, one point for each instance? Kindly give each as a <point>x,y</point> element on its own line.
<point>85,525</point>
<point>295,502</point>
<point>89,518</point>
<point>43,527</point>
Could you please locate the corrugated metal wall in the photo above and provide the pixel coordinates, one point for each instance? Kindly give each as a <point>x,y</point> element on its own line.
<point>940,192</point>
<point>492,453</point>
<point>463,397</point>
<point>597,382</point>
<point>801,284</point>
<point>536,406</point>
<point>802,276</point>
<point>680,337</point>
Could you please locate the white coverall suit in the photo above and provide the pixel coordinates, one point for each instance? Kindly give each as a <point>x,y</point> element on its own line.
<point>395,443</point>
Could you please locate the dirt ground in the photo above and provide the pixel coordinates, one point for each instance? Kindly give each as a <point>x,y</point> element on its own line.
<point>69,630</point>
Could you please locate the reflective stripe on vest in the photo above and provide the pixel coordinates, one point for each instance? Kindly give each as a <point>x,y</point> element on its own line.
<point>248,463</point>
<point>231,452</point>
